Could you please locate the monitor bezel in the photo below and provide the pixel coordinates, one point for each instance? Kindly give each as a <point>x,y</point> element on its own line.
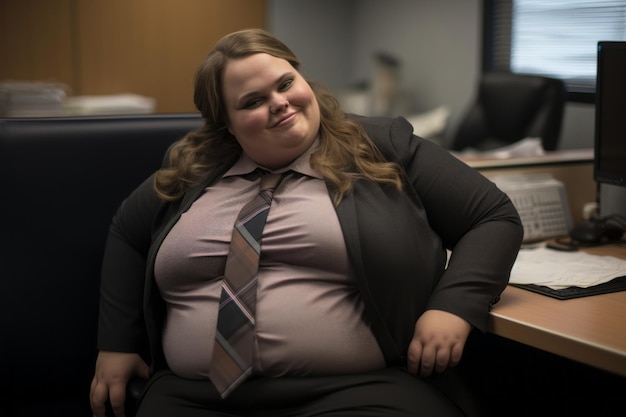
<point>600,173</point>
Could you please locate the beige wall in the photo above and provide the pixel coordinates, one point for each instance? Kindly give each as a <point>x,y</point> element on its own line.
<point>147,47</point>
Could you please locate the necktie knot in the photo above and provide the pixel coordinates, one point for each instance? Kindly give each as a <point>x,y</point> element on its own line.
<point>269,182</point>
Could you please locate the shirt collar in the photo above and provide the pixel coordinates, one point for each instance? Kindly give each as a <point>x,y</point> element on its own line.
<point>302,165</point>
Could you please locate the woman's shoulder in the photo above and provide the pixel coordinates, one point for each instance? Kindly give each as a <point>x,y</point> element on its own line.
<point>392,135</point>
<point>380,121</point>
<point>384,128</point>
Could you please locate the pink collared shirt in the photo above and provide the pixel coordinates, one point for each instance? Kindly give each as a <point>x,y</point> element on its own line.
<point>309,312</point>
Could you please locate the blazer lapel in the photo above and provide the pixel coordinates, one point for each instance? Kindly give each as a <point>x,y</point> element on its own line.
<point>349,220</point>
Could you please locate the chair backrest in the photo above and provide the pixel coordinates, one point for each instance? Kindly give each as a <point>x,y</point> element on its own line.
<point>61,180</point>
<point>510,107</point>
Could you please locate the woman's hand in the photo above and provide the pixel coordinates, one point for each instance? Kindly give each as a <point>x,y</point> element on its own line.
<point>113,370</point>
<point>437,343</point>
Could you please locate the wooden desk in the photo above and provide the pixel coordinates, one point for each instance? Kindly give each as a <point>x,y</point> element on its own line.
<point>591,330</point>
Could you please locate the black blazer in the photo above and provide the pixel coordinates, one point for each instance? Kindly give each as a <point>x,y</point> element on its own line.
<point>396,242</point>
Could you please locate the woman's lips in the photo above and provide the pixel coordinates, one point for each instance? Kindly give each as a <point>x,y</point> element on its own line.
<point>285,119</point>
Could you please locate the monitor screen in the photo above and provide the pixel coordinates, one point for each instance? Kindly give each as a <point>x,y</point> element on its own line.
<point>610,130</point>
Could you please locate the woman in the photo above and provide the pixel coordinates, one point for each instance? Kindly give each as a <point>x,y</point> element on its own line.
<point>356,303</point>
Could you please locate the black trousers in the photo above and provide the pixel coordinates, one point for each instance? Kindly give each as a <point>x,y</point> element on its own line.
<point>389,392</point>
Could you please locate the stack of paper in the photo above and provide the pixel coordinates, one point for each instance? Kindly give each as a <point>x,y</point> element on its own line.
<point>109,104</point>
<point>523,148</point>
<point>558,270</point>
<point>31,99</point>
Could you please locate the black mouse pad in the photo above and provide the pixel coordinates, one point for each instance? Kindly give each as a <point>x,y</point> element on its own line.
<point>614,285</point>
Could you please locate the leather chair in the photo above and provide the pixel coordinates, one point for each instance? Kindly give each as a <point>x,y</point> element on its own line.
<point>510,107</point>
<point>61,180</point>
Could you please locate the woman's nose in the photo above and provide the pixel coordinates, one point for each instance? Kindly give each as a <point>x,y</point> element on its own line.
<point>279,103</point>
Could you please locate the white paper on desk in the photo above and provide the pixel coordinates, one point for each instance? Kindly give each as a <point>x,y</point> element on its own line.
<point>557,270</point>
<point>523,148</point>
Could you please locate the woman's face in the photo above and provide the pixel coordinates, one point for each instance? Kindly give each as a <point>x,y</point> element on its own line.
<point>272,110</point>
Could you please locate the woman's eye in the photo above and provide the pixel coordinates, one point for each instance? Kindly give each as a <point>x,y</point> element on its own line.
<point>285,86</point>
<point>253,103</point>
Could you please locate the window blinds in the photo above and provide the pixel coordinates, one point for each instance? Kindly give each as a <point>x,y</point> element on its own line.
<point>557,38</point>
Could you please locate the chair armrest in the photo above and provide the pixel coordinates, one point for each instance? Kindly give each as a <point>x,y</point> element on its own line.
<point>134,390</point>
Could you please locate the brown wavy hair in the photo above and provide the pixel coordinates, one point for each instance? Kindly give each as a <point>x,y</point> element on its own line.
<point>345,153</point>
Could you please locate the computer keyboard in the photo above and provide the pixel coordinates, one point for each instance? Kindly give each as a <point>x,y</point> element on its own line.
<point>541,202</point>
<point>542,214</point>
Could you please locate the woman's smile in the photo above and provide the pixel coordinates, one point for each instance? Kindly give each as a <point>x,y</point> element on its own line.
<point>285,120</point>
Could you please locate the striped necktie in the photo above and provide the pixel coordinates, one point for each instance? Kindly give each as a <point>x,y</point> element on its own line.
<point>232,353</point>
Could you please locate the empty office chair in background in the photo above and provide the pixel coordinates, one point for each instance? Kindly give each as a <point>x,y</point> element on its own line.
<point>511,107</point>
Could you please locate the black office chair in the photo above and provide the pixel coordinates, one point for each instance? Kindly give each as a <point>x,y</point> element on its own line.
<point>510,107</point>
<point>62,179</point>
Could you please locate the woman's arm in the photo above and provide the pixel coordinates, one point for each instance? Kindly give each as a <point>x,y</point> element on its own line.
<point>121,324</point>
<point>122,339</point>
<point>478,224</point>
<point>475,220</point>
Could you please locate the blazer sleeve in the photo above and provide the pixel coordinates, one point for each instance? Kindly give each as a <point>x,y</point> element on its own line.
<point>475,220</point>
<point>121,324</point>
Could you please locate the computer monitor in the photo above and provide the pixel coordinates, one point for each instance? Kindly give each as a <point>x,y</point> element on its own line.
<point>610,127</point>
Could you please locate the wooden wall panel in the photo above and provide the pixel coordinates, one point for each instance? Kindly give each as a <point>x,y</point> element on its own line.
<point>147,47</point>
<point>153,47</point>
<point>36,41</point>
